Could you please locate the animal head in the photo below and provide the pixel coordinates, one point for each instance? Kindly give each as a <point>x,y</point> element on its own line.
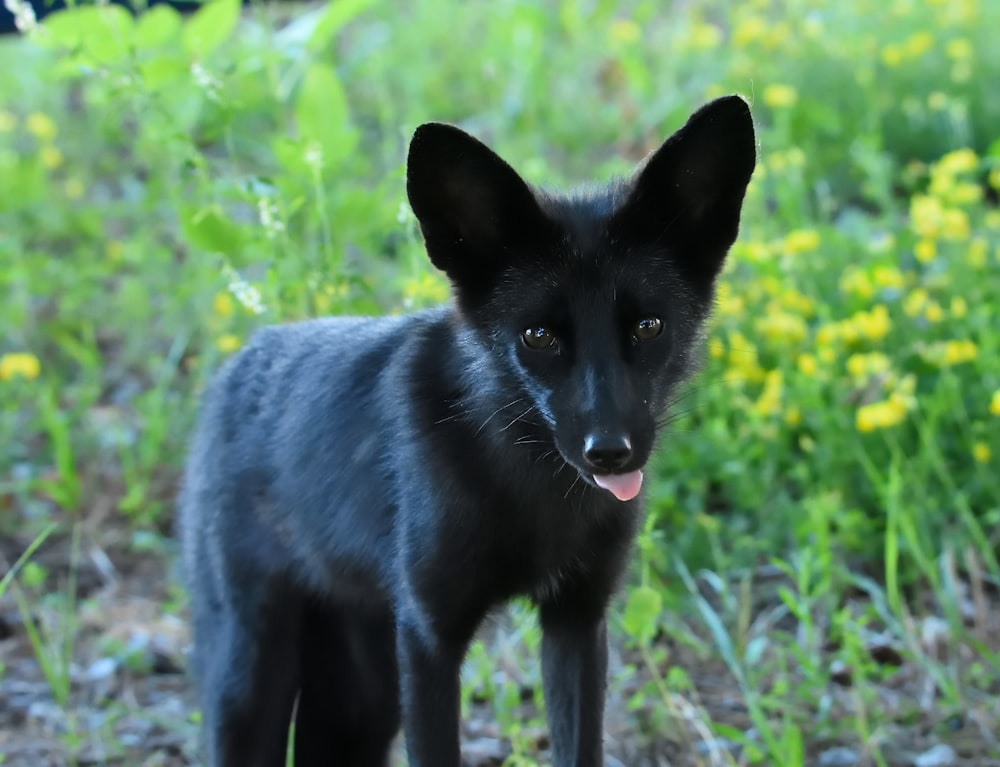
<point>595,301</point>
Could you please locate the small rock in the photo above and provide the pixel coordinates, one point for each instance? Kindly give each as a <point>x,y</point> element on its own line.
<point>485,752</point>
<point>934,633</point>
<point>714,746</point>
<point>100,669</point>
<point>841,673</point>
<point>838,757</point>
<point>883,650</point>
<point>941,755</point>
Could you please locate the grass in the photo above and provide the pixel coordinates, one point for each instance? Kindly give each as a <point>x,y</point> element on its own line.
<point>823,517</point>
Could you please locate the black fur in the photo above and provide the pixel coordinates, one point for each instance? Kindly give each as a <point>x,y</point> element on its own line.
<point>361,492</point>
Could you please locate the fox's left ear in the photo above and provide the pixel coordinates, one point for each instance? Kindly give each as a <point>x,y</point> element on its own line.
<point>688,194</point>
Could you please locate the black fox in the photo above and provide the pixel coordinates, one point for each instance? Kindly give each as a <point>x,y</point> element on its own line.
<point>361,492</point>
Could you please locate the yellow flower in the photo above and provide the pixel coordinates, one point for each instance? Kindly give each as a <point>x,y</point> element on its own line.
<point>959,308</point>
<point>51,157</point>
<point>892,56</point>
<point>948,353</point>
<point>874,325</point>
<point>827,334</point>
<point>428,288</point>
<point>228,343</point>
<point>624,31</point>
<point>778,96</point>
<point>223,304</point>
<point>994,178</point>
<point>801,241</point>
<point>959,48</point>
<point>41,126</point>
<point>919,43</point>
<point>74,188</point>
<point>934,312</point>
<point>956,224</point>
<point>781,326</point>
<point>925,250</point>
<point>977,254</point>
<point>827,354</point>
<point>888,277</point>
<point>981,452</point>
<point>20,364</point>
<point>7,122</point>
<point>995,403</point>
<point>880,415</point>
<point>749,29</point>
<point>958,161</point>
<point>705,37</point>
<point>856,282</point>
<point>926,215</point>
<point>915,302</point>
<point>793,416</point>
<point>864,365</point>
<point>807,365</point>
<point>769,402</point>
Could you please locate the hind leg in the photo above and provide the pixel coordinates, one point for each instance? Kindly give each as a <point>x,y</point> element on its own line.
<point>348,710</point>
<point>249,676</point>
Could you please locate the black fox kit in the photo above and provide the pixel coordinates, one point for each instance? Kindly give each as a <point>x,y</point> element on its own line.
<point>362,491</point>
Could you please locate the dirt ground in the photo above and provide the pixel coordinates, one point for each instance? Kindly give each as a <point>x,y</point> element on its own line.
<point>130,703</point>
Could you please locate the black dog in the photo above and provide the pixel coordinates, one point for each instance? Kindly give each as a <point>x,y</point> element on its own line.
<point>361,492</point>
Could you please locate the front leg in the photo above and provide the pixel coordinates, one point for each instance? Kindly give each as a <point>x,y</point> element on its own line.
<point>430,678</point>
<point>574,671</point>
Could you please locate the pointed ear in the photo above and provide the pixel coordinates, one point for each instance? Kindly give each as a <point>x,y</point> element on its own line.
<point>475,211</point>
<point>687,195</point>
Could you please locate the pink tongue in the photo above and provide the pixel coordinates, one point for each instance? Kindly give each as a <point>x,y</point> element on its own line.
<point>625,487</point>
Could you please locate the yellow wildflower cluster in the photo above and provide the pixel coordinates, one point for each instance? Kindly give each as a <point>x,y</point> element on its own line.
<point>769,401</point>
<point>995,403</point>
<point>44,129</point>
<point>882,414</point>
<point>981,452</point>
<point>800,241</point>
<point>892,410</point>
<point>864,366</point>
<point>858,282</point>
<point>949,353</point>
<point>744,365</point>
<point>228,343</point>
<point>913,47</point>
<point>778,96</point>
<point>756,30</point>
<point>873,325</point>
<point>19,365</point>
<point>779,326</point>
<point>427,289</point>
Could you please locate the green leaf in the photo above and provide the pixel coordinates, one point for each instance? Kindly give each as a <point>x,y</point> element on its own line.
<point>642,612</point>
<point>103,33</point>
<point>157,26</point>
<point>338,14</point>
<point>208,229</point>
<point>210,26</point>
<point>322,116</point>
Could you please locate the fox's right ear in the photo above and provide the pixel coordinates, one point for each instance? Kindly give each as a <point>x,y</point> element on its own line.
<point>475,212</point>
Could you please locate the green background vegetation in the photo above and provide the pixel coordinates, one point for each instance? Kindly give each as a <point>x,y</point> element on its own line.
<point>169,184</point>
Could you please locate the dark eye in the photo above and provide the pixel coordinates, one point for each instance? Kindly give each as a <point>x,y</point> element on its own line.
<point>538,338</point>
<point>647,329</point>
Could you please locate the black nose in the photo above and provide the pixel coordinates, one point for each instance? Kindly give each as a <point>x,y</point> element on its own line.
<point>607,453</point>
